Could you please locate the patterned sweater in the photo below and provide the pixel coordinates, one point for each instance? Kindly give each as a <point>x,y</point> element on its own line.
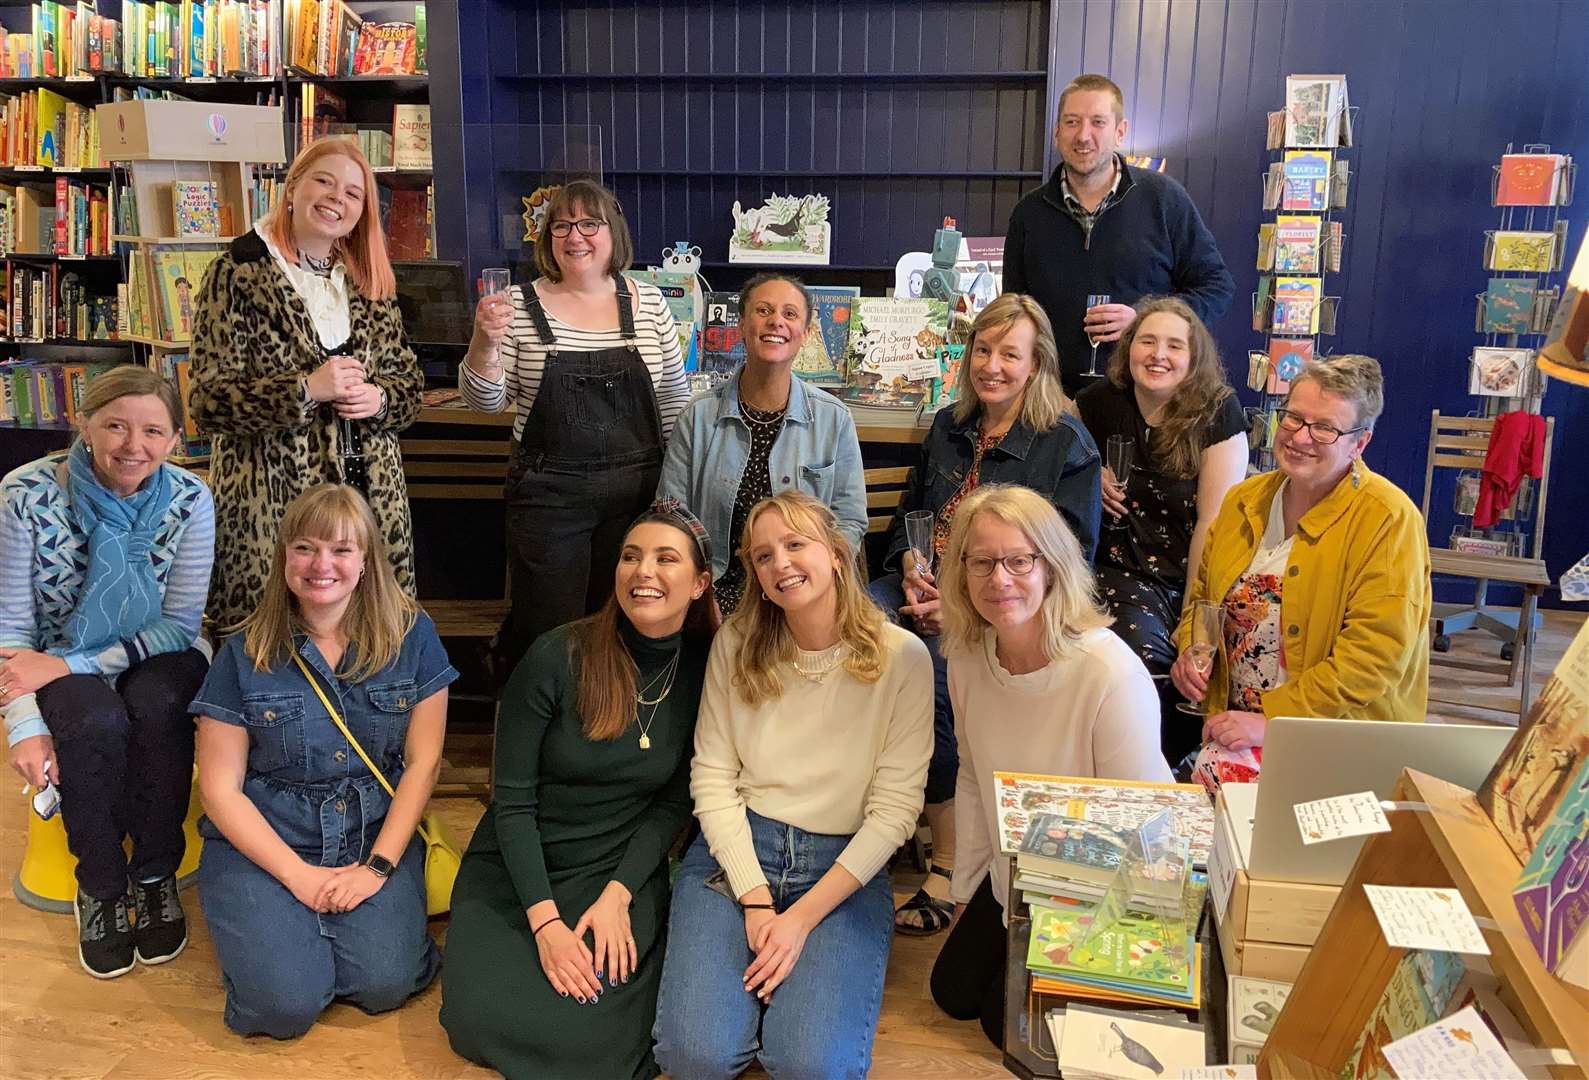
<point>39,591</point>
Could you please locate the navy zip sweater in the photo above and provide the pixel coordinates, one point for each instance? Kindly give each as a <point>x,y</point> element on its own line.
<point>1150,242</point>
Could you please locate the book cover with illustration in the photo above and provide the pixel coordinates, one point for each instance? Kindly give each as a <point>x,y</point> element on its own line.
<point>1131,949</point>
<point>1296,305</point>
<point>1530,179</point>
<point>1307,180</point>
<point>1123,803</point>
<point>196,208</point>
<point>784,229</point>
<point>680,292</point>
<point>1296,240</point>
<point>1417,994</point>
<point>1552,893</point>
<point>894,344</point>
<point>1073,848</point>
<point>1316,107</point>
<point>388,48</point>
<point>820,360</point>
<point>1534,252</point>
<point>722,348</point>
<point>411,136</point>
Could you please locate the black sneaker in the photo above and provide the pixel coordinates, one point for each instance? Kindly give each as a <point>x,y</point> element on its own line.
<point>104,935</point>
<point>162,929</point>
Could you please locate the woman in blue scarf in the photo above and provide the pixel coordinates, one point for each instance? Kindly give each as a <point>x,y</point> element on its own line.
<point>104,567</point>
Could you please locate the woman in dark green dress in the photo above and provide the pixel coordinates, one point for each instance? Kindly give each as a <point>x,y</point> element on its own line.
<point>560,910</point>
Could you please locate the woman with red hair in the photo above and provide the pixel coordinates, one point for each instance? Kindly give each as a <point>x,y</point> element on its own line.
<point>301,371</point>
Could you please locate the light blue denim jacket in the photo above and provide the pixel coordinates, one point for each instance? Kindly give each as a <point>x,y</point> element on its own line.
<point>817,452</point>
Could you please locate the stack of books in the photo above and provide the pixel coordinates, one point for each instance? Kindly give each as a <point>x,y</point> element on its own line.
<point>1110,1044</point>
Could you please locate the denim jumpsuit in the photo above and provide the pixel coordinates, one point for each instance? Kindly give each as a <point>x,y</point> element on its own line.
<point>282,963</point>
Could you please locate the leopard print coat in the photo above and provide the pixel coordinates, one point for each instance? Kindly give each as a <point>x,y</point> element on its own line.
<point>253,345</point>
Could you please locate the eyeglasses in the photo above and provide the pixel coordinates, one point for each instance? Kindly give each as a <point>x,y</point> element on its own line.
<point>586,227</point>
<point>1020,564</point>
<point>1318,430</point>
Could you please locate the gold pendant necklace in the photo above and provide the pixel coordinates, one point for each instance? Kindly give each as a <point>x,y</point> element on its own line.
<point>670,670</point>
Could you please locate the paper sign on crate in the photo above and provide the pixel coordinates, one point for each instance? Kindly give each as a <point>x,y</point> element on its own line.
<point>1413,918</point>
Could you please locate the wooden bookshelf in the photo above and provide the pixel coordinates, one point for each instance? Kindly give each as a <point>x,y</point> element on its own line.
<point>1455,846</point>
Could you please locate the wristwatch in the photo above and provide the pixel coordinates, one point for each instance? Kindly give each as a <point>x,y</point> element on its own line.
<point>379,865</point>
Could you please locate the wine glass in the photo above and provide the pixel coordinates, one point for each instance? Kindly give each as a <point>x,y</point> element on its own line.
<point>1118,452</point>
<point>918,534</point>
<point>495,279</point>
<point>1093,300</point>
<point>1208,631</point>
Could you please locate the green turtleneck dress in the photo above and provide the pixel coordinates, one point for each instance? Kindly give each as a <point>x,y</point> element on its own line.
<point>569,815</point>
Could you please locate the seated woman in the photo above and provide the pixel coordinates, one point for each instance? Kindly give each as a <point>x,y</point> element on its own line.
<point>762,431</point>
<point>313,880</point>
<point>106,566</point>
<point>1166,394</point>
<point>1012,423</point>
<point>810,754</point>
<point>1322,568</point>
<point>1039,685</point>
<point>592,785</point>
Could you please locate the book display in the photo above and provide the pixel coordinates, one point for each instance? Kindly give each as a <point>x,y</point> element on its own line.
<point>1305,188</point>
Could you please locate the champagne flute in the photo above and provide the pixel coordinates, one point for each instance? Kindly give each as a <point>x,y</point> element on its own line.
<point>918,534</point>
<point>1093,300</point>
<point>1208,631</point>
<point>1118,451</point>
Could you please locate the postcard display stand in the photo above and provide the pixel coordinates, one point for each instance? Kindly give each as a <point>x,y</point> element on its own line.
<point>186,196</point>
<point>1303,243</point>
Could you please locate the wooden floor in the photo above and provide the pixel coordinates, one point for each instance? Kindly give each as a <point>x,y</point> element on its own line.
<point>164,1023</point>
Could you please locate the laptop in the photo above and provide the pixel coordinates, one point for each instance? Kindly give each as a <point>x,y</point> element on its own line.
<point>1307,759</point>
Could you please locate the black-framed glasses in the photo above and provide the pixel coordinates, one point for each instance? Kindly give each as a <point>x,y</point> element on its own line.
<point>1319,431</point>
<point>1019,564</point>
<point>586,226</point>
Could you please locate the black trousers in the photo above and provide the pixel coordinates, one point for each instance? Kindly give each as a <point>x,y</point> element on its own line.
<point>126,767</point>
<point>968,976</point>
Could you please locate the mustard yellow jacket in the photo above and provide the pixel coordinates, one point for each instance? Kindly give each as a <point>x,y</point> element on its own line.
<point>1354,611</point>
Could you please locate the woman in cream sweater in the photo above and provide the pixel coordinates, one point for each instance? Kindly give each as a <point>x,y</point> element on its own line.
<point>1039,684</point>
<point>810,759</point>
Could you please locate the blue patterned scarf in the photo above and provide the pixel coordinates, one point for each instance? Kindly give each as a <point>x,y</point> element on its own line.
<point>120,593</point>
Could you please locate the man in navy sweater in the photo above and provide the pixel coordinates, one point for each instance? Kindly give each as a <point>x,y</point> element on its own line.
<point>1102,227</point>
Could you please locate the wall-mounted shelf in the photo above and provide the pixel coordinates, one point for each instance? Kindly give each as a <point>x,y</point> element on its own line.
<point>837,174</point>
<point>779,77</point>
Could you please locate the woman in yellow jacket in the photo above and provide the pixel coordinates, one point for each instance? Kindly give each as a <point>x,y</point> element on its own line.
<point>1322,568</point>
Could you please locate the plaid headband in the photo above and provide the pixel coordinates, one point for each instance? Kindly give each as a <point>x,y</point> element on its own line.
<point>679,515</point>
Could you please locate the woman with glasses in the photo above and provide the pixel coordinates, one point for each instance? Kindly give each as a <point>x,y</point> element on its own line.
<point>1322,569</point>
<point>1039,684</point>
<point>762,432</point>
<point>1165,395</point>
<point>591,361</point>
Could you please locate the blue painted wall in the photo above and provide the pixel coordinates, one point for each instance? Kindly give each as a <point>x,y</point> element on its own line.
<point>1442,86</point>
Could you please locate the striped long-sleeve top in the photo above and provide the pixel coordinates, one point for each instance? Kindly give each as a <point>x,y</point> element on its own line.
<point>524,359</point>
<point>43,562</point>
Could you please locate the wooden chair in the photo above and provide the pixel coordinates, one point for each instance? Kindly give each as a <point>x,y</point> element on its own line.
<point>884,488</point>
<point>1460,442</point>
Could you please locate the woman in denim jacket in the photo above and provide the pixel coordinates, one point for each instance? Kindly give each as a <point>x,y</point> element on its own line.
<point>1011,424</point>
<point>312,880</point>
<point>763,432</point>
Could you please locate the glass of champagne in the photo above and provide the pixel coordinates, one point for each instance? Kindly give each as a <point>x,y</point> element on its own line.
<point>1118,451</point>
<point>918,534</point>
<point>1208,632</point>
<point>1093,300</point>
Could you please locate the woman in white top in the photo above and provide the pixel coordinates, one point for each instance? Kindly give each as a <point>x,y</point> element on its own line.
<point>301,373</point>
<point>810,758</point>
<point>592,363</point>
<point>1039,684</point>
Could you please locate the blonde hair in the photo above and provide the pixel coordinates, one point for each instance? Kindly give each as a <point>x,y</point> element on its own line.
<point>1044,400</point>
<point>1070,606</point>
<point>1178,442</point>
<point>363,251</point>
<point>765,641</point>
<point>126,381</point>
<point>379,615</point>
<point>1352,376</point>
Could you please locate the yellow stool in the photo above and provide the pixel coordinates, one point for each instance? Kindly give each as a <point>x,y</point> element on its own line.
<point>47,878</point>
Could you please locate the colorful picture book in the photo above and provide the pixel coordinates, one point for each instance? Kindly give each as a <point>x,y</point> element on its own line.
<point>196,208</point>
<point>1509,306</point>
<point>1073,848</point>
<point>1534,252</point>
<point>1065,942</point>
<point>680,291</point>
<point>894,344</point>
<point>1125,804</point>
<point>1317,111</point>
<point>1107,1043</point>
<point>1552,893</point>
<point>1500,372</point>
<point>1417,994</point>
<point>1307,180</point>
<point>1296,305</point>
<point>387,48</point>
<point>820,360</point>
<point>1296,244</point>
<point>1530,179</point>
<point>722,348</point>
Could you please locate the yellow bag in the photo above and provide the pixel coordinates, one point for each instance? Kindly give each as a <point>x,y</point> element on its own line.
<point>442,857</point>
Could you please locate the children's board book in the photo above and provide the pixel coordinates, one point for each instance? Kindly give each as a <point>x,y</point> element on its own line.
<point>194,204</point>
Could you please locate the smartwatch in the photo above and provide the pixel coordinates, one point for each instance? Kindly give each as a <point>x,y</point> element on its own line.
<point>379,865</point>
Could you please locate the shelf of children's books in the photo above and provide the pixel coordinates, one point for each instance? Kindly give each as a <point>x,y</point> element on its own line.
<point>955,77</point>
<point>163,344</point>
<point>84,89</point>
<point>45,173</point>
<point>207,87</point>
<point>50,256</point>
<point>53,425</point>
<point>365,85</point>
<point>837,174</point>
<point>123,238</point>
<point>80,343</point>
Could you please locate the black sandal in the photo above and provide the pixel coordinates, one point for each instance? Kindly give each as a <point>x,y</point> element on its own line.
<point>935,914</point>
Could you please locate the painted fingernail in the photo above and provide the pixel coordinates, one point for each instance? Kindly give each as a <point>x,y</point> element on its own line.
<point>580,1000</point>
<point>564,993</point>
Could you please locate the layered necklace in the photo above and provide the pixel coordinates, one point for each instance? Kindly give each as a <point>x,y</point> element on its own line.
<point>663,678</point>
<point>818,665</point>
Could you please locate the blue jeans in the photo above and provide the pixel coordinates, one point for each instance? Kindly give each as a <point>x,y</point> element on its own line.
<point>820,1021</point>
<point>889,593</point>
<point>282,963</point>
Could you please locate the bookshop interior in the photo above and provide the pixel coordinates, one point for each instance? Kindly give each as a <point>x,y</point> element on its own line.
<point>913,538</point>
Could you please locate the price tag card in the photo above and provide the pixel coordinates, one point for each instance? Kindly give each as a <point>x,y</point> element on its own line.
<point>1426,919</point>
<point>1220,1072</point>
<point>1460,1045</point>
<point>1337,818</point>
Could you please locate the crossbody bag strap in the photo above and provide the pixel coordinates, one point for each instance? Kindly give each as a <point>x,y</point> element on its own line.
<point>337,719</point>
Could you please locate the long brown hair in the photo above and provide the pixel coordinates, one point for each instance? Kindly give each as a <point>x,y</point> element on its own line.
<point>1044,400</point>
<point>363,251</point>
<point>765,640</point>
<point>1177,444</point>
<point>607,673</point>
<point>379,615</point>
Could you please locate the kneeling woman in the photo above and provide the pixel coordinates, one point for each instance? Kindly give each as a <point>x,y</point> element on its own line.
<point>1039,684</point>
<point>810,758</point>
<point>312,879</point>
<point>592,785</point>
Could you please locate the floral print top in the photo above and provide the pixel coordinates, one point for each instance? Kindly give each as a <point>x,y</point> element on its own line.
<point>944,522</point>
<point>1253,643</point>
